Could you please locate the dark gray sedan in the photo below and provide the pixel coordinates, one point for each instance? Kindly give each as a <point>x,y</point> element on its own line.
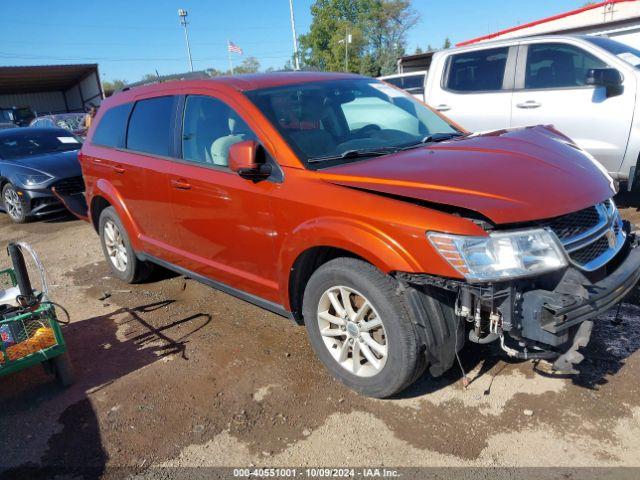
<point>32,162</point>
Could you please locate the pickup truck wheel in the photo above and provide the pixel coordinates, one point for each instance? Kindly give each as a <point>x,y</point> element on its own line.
<point>360,329</point>
<point>118,251</point>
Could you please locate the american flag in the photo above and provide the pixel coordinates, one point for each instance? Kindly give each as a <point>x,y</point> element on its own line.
<point>233,48</point>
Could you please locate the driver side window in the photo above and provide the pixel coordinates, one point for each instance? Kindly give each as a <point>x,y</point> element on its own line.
<point>209,129</point>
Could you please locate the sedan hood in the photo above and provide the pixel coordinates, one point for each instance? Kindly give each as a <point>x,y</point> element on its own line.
<point>509,176</point>
<point>60,164</point>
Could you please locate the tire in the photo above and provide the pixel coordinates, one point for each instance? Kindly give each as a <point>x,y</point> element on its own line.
<point>13,204</point>
<point>404,361</point>
<point>63,369</point>
<point>118,251</point>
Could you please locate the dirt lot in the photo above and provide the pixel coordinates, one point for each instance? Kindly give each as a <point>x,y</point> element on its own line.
<point>173,373</point>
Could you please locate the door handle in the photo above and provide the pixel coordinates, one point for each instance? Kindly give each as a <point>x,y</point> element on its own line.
<point>181,184</point>
<point>118,169</point>
<point>443,108</point>
<point>529,104</point>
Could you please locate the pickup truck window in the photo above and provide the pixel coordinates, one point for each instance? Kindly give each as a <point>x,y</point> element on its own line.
<point>339,120</point>
<point>210,127</point>
<point>621,50</point>
<point>557,65</point>
<point>150,126</point>
<point>477,71</point>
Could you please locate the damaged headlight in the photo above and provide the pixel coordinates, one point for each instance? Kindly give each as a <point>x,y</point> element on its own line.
<point>501,256</point>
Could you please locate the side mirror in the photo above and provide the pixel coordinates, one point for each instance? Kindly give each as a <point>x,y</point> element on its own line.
<point>610,78</point>
<point>244,159</point>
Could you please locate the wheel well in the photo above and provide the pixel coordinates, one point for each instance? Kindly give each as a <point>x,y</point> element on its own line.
<point>304,266</point>
<point>98,204</point>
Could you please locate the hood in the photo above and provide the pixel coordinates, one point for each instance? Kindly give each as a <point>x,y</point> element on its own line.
<point>59,164</point>
<point>509,176</point>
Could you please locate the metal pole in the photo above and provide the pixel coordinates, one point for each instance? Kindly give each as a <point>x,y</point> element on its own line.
<point>229,55</point>
<point>296,64</point>
<point>346,49</point>
<point>183,20</point>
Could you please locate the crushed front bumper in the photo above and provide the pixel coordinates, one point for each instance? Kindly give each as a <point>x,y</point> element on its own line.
<point>543,317</point>
<point>547,316</point>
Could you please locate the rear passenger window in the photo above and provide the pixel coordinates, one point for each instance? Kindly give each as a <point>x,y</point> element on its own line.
<point>111,129</point>
<point>150,126</point>
<point>210,127</point>
<point>481,71</point>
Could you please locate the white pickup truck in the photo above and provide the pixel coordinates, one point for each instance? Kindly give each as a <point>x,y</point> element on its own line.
<point>588,87</point>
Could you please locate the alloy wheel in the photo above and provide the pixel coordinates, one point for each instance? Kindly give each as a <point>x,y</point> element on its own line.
<point>13,204</point>
<point>352,331</point>
<point>114,242</point>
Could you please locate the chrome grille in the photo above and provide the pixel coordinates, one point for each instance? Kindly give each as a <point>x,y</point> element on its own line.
<point>592,236</point>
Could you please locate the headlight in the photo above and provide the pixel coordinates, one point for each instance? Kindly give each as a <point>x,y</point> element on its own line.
<point>501,256</point>
<point>32,179</point>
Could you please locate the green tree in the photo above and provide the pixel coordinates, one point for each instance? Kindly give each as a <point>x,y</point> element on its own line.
<point>446,43</point>
<point>418,50</point>
<point>378,31</point>
<point>109,87</point>
<point>248,65</point>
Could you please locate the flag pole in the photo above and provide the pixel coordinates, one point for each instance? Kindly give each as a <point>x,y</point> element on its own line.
<point>229,54</point>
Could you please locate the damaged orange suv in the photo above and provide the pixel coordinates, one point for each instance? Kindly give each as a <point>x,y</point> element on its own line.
<point>339,201</point>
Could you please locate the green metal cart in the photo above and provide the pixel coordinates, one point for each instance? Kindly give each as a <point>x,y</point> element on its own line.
<point>31,335</point>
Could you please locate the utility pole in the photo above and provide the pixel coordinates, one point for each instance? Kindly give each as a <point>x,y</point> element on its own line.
<point>183,21</point>
<point>296,60</point>
<point>347,40</point>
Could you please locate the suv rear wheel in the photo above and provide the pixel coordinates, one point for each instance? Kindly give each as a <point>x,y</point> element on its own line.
<point>118,251</point>
<point>360,329</point>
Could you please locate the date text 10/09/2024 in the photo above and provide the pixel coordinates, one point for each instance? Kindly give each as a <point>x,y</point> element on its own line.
<point>316,472</point>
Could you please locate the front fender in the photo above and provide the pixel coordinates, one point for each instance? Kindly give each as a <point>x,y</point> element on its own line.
<point>357,237</point>
<point>103,188</point>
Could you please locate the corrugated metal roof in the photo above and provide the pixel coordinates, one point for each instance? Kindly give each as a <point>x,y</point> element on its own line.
<point>42,78</point>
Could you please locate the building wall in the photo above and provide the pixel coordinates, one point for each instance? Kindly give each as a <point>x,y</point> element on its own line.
<point>41,102</point>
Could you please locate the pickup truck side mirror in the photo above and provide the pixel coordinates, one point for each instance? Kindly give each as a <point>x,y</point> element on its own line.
<point>247,159</point>
<point>610,78</point>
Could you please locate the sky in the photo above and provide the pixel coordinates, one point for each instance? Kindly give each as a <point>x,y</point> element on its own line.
<point>129,39</point>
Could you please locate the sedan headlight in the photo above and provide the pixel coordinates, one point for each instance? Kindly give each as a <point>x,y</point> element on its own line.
<point>501,256</point>
<point>32,179</point>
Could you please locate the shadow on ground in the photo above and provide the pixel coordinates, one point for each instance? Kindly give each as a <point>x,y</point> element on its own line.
<point>101,354</point>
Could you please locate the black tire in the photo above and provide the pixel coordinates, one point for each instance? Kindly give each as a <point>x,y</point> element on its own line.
<point>17,215</point>
<point>405,359</point>
<point>136,270</point>
<point>63,369</point>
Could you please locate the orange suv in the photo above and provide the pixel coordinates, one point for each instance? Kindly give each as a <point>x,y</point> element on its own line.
<point>341,202</point>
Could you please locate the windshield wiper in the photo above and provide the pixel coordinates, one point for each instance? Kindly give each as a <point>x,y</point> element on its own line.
<point>377,152</point>
<point>434,138</point>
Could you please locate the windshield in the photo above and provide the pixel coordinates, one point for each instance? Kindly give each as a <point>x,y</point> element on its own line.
<point>18,144</point>
<point>622,51</point>
<point>72,121</point>
<point>24,114</point>
<point>339,120</point>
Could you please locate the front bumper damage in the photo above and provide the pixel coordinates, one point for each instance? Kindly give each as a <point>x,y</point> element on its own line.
<point>549,317</point>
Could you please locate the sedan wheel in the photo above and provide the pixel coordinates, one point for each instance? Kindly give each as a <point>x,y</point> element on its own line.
<point>114,243</point>
<point>352,331</point>
<point>13,204</point>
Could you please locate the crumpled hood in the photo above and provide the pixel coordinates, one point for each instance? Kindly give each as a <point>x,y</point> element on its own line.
<point>509,176</point>
<point>59,164</point>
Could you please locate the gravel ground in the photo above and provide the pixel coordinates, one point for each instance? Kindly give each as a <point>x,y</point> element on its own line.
<point>172,373</point>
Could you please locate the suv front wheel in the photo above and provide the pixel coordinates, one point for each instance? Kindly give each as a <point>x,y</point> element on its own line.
<point>118,251</point>
<point>360,329</point>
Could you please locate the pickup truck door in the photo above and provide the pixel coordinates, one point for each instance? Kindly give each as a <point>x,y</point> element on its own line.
<point>474,87</point>
<point>551,88</point>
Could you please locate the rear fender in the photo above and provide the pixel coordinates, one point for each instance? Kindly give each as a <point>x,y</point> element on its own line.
<point>354,236</point>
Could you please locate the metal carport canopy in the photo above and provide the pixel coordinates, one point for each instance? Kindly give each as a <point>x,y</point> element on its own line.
<point>43,78</point>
